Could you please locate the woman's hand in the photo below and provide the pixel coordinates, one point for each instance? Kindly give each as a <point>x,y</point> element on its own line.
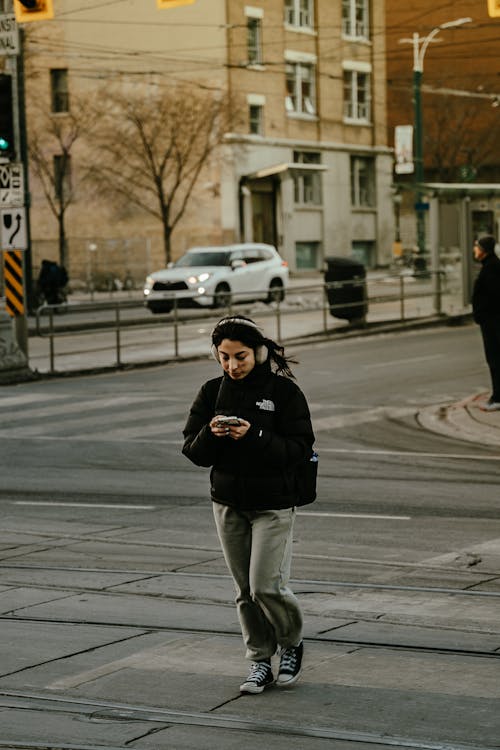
<point>236,432</point>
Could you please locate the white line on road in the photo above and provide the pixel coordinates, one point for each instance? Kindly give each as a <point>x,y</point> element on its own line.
<point>84,505</point>
<point>405,361</point>
<point>354,515</point>
<point>410,454</point>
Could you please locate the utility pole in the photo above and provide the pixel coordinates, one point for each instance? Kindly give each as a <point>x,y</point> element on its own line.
<point>14,234</point>
<point>420,45</point>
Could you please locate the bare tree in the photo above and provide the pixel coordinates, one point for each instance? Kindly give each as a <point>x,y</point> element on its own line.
<point>460,137</point>
<point>51,141</point>
<point>153,149</point>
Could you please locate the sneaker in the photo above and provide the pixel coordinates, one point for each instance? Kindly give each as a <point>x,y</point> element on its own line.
<point>490,406</point>
<point>259,677</point>
<point>290,665</point>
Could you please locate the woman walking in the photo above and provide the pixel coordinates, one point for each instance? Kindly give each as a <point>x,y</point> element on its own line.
<point>252,426</point>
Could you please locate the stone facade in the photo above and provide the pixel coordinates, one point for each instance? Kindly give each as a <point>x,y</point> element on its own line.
<point>308,177</point>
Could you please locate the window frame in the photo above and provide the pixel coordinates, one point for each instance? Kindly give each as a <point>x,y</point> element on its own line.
<point>307,185</point>
<point>352,27</point>
<point>363,195</point>
<point>357,108</point>
<point>59,91</point>
<point>296,101</point>
<point>256,124</point>
<point>254,45</point>
<point>299,14</point>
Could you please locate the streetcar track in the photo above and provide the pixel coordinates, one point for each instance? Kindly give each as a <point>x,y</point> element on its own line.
<point>323,638</point>
<point>110,710</point>
<point>142,575</point>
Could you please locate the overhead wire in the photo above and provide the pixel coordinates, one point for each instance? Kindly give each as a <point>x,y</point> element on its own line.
<point>184,56</point>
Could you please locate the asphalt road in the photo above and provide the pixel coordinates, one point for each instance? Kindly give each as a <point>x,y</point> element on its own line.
<point>109,563</point>
<point>119,434</point>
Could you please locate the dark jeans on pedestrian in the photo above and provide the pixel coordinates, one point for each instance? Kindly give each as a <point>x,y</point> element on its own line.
<point>490,331</point>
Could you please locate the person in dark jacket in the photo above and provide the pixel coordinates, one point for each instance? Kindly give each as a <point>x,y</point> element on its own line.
<point>51,282</point>
<point>253,427</point>
<point>486,312</point>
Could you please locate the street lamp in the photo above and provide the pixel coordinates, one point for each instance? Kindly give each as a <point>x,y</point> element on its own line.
<point>420,45</point>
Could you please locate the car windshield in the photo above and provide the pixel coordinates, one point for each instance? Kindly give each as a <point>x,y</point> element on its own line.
<point>215,258</point>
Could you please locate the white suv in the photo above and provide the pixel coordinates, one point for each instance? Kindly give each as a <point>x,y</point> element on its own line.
<point>218,276</point>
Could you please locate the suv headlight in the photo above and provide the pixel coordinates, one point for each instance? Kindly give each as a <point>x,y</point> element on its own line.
<point>148,284</point>
<point>199,279</point>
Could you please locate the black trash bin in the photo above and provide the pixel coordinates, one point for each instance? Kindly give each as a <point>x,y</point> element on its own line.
<point>345,282</point>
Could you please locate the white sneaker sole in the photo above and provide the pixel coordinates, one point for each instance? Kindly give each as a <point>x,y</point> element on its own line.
<point>288,682</point>
<point>252,689</point>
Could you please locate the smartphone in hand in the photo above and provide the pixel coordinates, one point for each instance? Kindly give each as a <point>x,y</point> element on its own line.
<point>228,422</point>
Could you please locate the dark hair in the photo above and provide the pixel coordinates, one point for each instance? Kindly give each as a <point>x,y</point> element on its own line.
<point>487,243</point>
<point>240,328</point>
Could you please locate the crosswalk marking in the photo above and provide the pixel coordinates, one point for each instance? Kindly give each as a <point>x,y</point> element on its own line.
<point>139,417</point>
<point>26,398</point>
<point>97,425</point>
<point>70,408</point>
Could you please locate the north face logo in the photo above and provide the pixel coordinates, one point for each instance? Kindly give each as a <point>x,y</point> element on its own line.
<point>266,404</point>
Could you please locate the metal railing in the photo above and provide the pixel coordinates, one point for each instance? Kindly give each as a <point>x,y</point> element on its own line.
<point>118,315</point>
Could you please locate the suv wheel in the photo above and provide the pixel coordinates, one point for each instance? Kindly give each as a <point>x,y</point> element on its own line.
<point>276,292</point>
<point>222,296</point>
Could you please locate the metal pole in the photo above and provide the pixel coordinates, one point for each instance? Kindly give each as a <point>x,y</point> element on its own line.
<point>326,308</point>
<point>118,342</point>
<point>402,296</point>
<point>176,330</point>
<point>51,339</point>
<point>435,261</point>
<point>420,262</point>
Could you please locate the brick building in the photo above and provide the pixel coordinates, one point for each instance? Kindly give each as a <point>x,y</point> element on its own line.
<point>309,168</point>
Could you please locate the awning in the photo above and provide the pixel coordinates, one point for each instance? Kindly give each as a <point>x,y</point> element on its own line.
<point>285,167</point>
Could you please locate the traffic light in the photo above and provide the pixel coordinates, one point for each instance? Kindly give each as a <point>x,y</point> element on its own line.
<point>33,10</point>
<point>7,148</point>
<point>172,3</point>
<point>494,8</point>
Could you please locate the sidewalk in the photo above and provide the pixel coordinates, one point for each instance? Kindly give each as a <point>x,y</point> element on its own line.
<point>464,420</point>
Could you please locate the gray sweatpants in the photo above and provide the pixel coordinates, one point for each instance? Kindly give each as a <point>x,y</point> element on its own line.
<point>257,547</point>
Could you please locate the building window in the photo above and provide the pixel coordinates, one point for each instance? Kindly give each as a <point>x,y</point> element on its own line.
<point>357,100</point>
<point>307,255</point>
<point>362,182</point>
<point>307,184</point>
<point>364,252</point>
<point>59,89</point>
<point>256,119</point>
<point>254,41</point>
<point>299,13</point>
<point>62,177</point>
<point>355,19</point>
<point>300,88</point>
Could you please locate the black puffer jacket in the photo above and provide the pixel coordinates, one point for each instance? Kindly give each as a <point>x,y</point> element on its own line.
<point>256,472</point>
<point>486,293</point>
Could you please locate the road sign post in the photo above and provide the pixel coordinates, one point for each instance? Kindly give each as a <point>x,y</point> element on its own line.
<point>9,34</point>
<point>13,233</point>
<point>14,218</point>
<point>15,295</point>
<point>13,240</point>
<point>11,185</point>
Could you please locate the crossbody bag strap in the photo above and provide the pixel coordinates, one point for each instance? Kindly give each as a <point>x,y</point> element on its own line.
<point>216,402</point>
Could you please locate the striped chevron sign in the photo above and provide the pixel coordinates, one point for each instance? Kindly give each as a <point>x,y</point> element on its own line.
<point>13,282</point>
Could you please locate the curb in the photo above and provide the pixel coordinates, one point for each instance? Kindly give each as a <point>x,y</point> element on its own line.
<point>460,421</point>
